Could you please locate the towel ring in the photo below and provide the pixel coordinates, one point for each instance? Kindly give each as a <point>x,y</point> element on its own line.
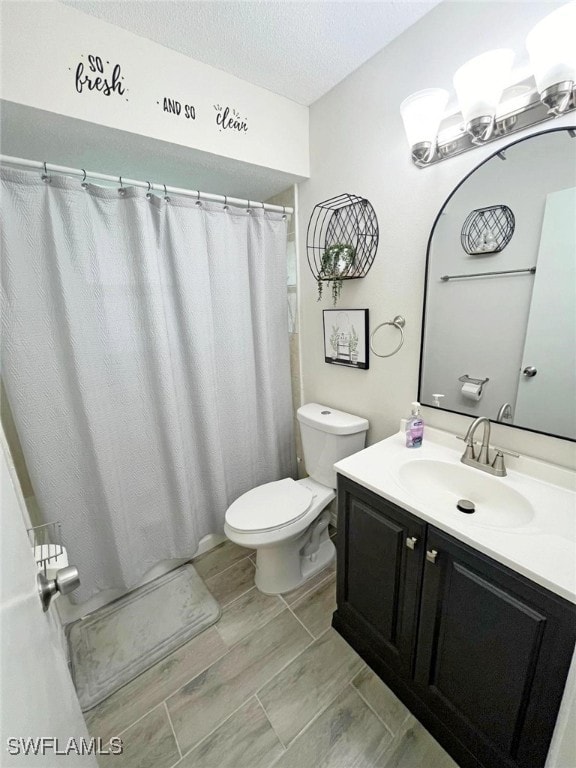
<point>398,323</point>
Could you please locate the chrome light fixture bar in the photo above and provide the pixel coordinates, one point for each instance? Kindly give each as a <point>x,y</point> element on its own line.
<point>479,85</point>
<point>559,97</point>
<point>532,112</point>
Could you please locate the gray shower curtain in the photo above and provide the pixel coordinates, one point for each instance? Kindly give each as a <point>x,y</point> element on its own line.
<point>146,361</point>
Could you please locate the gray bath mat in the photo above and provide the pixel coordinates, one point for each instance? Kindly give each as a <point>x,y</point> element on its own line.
<point>120,641</point>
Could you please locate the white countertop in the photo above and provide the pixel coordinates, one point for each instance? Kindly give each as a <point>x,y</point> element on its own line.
<point>543,550</point>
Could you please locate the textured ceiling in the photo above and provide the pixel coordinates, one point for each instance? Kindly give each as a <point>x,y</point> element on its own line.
<point>297,49</point>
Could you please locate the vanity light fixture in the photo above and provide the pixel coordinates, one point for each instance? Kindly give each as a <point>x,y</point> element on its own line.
<point>490,104</point>
<point>552,48</point>
<point>479,84</point>
<point>421,114</point>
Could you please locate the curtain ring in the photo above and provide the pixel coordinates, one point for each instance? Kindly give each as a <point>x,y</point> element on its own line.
<point>166,198</point>
<point>225,202</point>
<point>284,212</point>
<point>84,183</point>
<point>249,209</point>
<point>148,193</point>
<point>198,201</point>
<point>46,176</point>
<point>121,191</point>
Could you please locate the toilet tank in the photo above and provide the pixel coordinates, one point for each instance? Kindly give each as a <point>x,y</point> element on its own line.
<point>328,435</point>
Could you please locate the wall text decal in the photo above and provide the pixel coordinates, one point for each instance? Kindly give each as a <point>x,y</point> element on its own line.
<point>94,78</point>
<point>173,107</point>
<point>230,120</point>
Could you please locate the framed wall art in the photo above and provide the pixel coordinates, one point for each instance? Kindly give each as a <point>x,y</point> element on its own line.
<point>346,337</point>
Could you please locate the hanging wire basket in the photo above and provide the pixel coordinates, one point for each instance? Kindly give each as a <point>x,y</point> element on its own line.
<point>344,224</point>
<point>487,230</point>
<point>46,543</point>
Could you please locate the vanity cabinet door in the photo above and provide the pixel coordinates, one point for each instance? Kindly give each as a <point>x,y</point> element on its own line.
<point>493,654</point>
<point>380,560</point>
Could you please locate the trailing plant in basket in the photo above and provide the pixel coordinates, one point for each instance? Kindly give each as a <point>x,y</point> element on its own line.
<point>336,261</point>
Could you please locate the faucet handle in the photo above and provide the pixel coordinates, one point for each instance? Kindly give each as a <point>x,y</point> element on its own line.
<point>498,464</point>
<point>495,447</point>
<point>506,451</point>
<point>469,452</point>
<point>470,443</point>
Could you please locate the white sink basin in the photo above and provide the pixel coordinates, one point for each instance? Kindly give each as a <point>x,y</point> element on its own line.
<point>526,520</point>
<point>443,485</point>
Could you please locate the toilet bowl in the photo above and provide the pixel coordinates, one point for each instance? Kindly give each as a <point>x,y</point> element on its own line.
<point>285,521</point>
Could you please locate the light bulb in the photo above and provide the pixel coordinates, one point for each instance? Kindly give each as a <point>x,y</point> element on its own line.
<point>552,48</point>
<point>421,114</point>
<point>479,84</point>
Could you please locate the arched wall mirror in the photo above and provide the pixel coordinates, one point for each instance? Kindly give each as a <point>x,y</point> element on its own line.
<point>499,329</point>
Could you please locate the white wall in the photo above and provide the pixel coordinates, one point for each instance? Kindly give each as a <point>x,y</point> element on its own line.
<point>43,43</point>
<point>357,145</point>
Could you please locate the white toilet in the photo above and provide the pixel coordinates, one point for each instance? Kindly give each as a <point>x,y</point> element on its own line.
<point>283,520</point>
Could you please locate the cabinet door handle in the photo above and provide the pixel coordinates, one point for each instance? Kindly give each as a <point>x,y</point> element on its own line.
<point>411,542</point>
<point>431,555</point>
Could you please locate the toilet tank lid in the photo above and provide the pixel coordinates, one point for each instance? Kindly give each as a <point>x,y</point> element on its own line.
<point>327,419</point>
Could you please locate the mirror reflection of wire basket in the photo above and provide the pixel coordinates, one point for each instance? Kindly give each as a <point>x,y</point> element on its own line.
<point>345,220</point>
<point>487,230</point>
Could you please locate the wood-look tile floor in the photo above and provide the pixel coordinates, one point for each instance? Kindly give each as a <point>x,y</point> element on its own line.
<point>270,685</point>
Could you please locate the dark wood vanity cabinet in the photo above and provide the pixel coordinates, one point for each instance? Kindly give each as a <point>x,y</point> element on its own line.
<point>380,561</point>
<point>479,653</point>
<point>493,653</point>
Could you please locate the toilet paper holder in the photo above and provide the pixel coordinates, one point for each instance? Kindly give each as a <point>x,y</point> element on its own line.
<point>471,380</point>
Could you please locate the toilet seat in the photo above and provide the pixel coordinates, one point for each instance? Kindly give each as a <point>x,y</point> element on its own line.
<point>269,506</point>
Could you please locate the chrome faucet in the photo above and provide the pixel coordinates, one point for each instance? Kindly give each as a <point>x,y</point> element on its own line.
<point>505,412</point>
<point>482,460</point>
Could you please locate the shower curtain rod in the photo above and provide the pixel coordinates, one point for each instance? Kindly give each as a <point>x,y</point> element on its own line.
<point>150,186</point>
